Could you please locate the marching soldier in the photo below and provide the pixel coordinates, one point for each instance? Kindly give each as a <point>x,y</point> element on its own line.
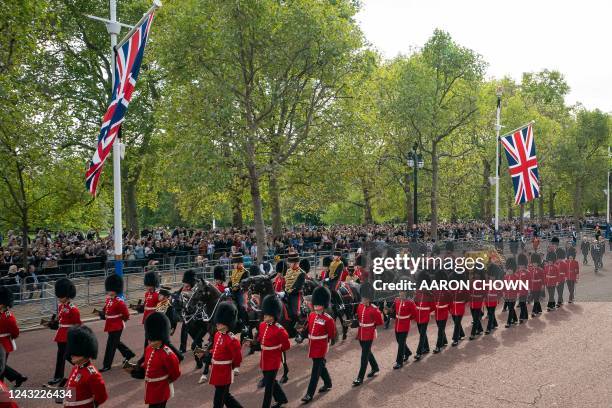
<point>509,293</point>
<point>369,317</point>
<point>68,315</point>
<point>550,279</point>
<point>321,330</point>
<point>5,396</point>
<point>151,297</point>
<point>441,305</point>
<point>585,246</point>
<point>115,313</point>
<point>514,245</point>
<point>562,272</point>
<point>279,279</point>
<point>294,282</point>
<point>85,387</point>
<point>536,283</point>
<point>522,275</point>
<point>219,276</point>
<point>404,310</point>
<point>226,355</point>
<point>9,331</point>
<point>492,296</point>
<point>424,306</point>
<point>476,302</point>
<point>160,365</point>
<point>272,340</point>
<point>572,273</point>
<point>457,309</point>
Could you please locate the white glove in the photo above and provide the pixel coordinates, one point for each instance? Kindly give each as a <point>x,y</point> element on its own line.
<point>227,291</point>
<point>281,295</point>
<point>326,279</point>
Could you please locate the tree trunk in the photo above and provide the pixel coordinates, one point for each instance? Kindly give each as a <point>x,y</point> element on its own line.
<point>236,198</point>
<point>551,204</point>
<point>577,201</point>
<point>274,192</point>
<point>367,206</point>
<point>260,228</point>
<point>408,200</point>
<point>131,208</point>
<point>434,190</point>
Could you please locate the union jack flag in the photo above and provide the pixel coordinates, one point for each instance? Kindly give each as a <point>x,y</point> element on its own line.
<point>522,164</point>
<point>127,66</point>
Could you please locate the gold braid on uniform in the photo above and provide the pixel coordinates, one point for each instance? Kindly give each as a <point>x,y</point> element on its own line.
<point>235,278</point>
<point>290,277</point>
<point>162,306</point>
<point>333,268</point>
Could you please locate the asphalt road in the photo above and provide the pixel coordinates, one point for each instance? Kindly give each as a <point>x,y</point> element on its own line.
<point>560,359</point>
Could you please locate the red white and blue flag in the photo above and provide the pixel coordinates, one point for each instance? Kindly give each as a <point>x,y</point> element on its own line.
<point>522,164</point>
<point>128,58</point>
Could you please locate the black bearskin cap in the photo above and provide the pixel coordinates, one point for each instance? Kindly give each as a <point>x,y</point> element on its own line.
<point>337,252</point>
<point>6,296</point>
<point>151,279</point>
<point>226,314</point>
<point>366,290</point>
<point>571,252</point>
<point>272,306</point>
<point>281,267</point>
<point>64,288</point>
<point>551,257</point>
<point>511,264</point>
<point>113,283</point>
<point>305,265</point>
<point>555,240</point>
<point>321,297</point>
<point>82,342</point>
<point>536,259</point>
<point>253,270</point>
<point>327,261</point>
<point>522,260</point>
<point>560,253</point>
<point>495,271</point>
<point>157,327</point>
<point>219,273</point>
<point>189,277</point>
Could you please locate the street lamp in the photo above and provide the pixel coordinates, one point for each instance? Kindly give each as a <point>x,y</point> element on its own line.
<point>415,161</point>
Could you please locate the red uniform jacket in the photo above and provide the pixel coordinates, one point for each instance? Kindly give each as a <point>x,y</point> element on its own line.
<point>536,278</point>
<point>273,339</point>
<point>405,312</point>
<point>359,271</point>
<point>151,298</point>
<point>550,275</point>
<point>321,330</point>
<point>492,296</point>
<point>116,313</point>
<point>457,306</point>
<point>573,270</point>
<point>369,317</point>
<point>509,293</point>
<point>161,370</point>
<point>68,315</point>
<point>477,298</point>
<point>85,387</point>
<point>562,270</point>
<point>522,277</point>
<point>279,283</point>
<point>5,397</point>
<point>226,355</point>
<point>441,304</point>
<point>424,306</point>
<point>9,331</point>
<point>220,286</point>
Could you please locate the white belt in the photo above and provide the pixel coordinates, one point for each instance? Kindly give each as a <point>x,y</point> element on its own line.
<point>221,362</point>
<point>403,317</point>
<point>66,325</point>
<point>5,334</point>
<point>113,316</point>
<point>422,308</point>
<point>318,337</point>
<point>550,276</point>
<point>441,306</point>
<point>149,308</point>
<point>165,377</point>
<point>459,301</point>
<point>270,347</point>
<point>366,324</point>
<point>537,280</point>
<point>77,403</point>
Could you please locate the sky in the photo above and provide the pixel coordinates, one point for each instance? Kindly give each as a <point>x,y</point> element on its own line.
<point>515,36</point>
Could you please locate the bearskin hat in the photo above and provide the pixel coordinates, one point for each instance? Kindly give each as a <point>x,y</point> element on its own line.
<point>560,253</point>
<point>511,264</point>
<point>551,257</point>
<point>305,265</point>
<point>151,279</point>
<point>321,297</point>
<point>189,277</point>
<point>82,342</point>
<point>253,270</point>
<point>113,283</point>
<point>327,261</point>
<point>366,290</point>
<point>157,327</point>
<point>226,314</point>
<point>293,257</point>
<point>2,360</point>
<point>495,271</point>
<point>6,296</point>
<point>281,267</point>
<point>555,240</point>
<point>219,273</point>
<point>337,252</point>
<point>272,306</point>
<point>522,260</point>
<point>536,259</point>
<point>237,258</point>
<point>571,252</point>
<point>64,288</point>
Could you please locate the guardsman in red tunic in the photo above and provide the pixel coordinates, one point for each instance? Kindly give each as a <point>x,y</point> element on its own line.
<point>219,276</point>
<point>404,310</point>
<point>536,283</point>
<point>550,279</point>
<point>115,313</point>
<point>477,298</point>
<point>509,292</point>
<point>424,306</point>
<point>563,271</point>
<point>458,299</point>
<point>226,355</point>
<point>441,305</point>
<point>151,296</point>
<point>85,387</point>
<point>369,317</point>
<point>321,331</point>
<point>572,272</point>
<point>9,331</point>
<point>279,279</point>
<point>68,315</point>
<point>5,396</point>
<point>273,340</point>
<point>522,275</point>
<point>160,366</point>
<point>494,272</point>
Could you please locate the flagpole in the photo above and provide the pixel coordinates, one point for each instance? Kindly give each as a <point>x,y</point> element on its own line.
<point>497,130</point>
